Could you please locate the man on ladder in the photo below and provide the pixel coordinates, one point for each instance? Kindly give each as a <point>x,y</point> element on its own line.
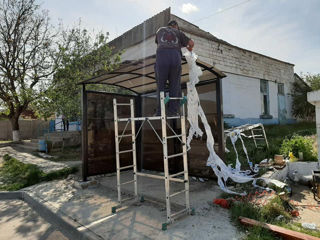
<point>169,42</point>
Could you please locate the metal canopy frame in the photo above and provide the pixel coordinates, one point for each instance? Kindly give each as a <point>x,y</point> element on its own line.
<point>139,78</point>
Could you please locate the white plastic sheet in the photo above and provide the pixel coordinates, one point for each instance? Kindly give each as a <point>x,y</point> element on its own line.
<point>195,111</point>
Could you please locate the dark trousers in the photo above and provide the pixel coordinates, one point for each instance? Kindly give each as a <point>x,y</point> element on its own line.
<point>168,68</point>
<point>65,124</point>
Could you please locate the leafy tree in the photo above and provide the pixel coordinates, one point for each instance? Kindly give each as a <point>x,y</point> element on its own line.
<point>301,108</point>
<point>28,57</point>
<point>313,80</point>
<point>84,55</point>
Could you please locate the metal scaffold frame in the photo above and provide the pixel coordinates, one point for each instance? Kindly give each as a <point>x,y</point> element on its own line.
<point>163,140</point>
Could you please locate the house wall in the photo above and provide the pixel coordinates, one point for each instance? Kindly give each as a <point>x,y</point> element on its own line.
<point>243,68</point>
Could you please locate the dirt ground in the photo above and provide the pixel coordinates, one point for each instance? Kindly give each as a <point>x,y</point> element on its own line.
<point>91,209</point>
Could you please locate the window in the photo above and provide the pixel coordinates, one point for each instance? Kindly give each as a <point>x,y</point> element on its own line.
<point>281,88</point>
<point>264,90</point>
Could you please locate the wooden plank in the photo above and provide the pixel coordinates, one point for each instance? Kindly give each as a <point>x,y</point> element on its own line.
<point>283,232</point>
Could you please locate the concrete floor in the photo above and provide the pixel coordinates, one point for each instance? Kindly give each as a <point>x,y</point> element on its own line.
<point>308,207</point>
<point>91,209</point>
<point>18,221</point>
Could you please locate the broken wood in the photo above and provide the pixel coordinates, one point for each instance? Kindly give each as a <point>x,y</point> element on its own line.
<point>283,232</point>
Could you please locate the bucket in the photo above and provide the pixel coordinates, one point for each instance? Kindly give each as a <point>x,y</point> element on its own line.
<point>43,146</point>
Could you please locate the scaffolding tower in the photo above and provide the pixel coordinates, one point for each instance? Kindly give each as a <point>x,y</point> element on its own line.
<point>163,140</point>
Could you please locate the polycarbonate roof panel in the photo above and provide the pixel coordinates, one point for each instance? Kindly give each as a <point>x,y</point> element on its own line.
<point>139,76</point>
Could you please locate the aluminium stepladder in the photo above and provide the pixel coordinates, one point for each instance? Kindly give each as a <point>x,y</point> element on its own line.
<point>163,140</point>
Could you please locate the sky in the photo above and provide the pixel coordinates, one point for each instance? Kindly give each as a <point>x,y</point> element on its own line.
<point>288,30</point>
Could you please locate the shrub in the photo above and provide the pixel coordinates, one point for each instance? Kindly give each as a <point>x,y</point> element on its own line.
<point>299,144</point>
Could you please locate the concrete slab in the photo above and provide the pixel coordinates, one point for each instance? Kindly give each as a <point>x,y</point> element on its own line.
<point>308,207</point>
<point>19,221</point>
<point>90,209</point>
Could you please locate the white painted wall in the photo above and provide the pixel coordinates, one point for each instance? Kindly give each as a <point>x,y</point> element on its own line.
<point>241,87</point>
<point>241,96</point>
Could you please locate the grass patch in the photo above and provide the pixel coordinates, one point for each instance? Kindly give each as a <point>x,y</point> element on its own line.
<point>15,175</point>
<point>267,214</point>
<point>275,135</point>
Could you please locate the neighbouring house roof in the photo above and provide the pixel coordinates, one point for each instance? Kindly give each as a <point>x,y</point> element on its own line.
<point>149,27</point>
<point>301,81</point>
<point>139,76</point>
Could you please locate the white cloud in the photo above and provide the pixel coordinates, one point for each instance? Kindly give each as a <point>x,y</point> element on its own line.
<point>189,8</point>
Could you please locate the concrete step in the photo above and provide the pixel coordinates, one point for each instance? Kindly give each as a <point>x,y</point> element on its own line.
<point>26,147</point>
<point>63,134</point>
<point>30,143</point>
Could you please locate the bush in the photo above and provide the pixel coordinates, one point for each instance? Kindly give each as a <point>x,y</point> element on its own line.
<point>299,144</point>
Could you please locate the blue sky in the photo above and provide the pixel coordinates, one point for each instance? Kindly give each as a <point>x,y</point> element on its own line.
<point>288,30</point>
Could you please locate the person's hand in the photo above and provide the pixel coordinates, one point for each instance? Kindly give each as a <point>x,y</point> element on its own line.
<point>190,45</point>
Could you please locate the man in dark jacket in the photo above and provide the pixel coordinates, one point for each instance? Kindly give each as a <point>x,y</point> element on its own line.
<point>169,42</point>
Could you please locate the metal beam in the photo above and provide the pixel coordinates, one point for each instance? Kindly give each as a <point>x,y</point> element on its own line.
<point>84,131</point>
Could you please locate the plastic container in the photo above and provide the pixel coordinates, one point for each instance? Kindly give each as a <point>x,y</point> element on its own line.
<point>43,146</point>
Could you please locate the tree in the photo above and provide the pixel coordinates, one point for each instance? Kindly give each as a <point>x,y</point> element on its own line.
<point>301,108</point>
<point>28,57</point>
<point>313,80</point>
<point>84,55</point>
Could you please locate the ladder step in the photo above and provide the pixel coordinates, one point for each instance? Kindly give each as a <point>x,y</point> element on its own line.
<point>176,155</point>
<point>126,167</point>
<point>176,193</point>
<point>176,174</point>
<point>127,182</point>
<point>175,136</point>
<point>126,151</point>
<point>125,135</point>
<point>145,118</point>
<point>260,139</point>
<point>123,104</point>
<point>176,98</point>
<point>180,212</point>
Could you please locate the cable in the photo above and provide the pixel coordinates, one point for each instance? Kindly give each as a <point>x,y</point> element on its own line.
<point>223,10</point>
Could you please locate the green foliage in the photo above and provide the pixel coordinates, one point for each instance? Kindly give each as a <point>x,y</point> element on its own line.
<point>267,213</point>
<point>15,175</point>
<point>84,55</point>
<point>313,80</point>
<point>273,209</point>
<point>275,135</point>
<point>297,227</point>
<point>298,144</point>
<point>301,108</point>
<point>28,56</point>
<point>259,233</point>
